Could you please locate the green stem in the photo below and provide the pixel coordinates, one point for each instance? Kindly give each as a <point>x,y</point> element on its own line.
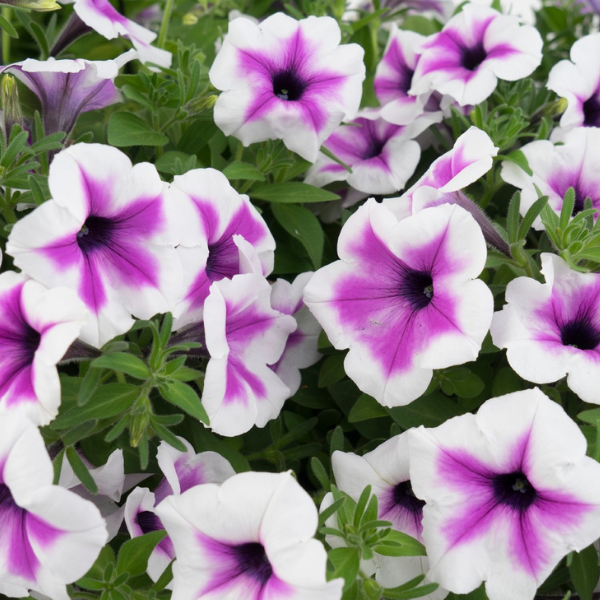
<point>7,208</point>
<point>164,26</point>
<point>239,152</point>
<point>6,13</point>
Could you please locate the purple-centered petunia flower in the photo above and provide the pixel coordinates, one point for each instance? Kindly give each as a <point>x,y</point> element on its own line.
<point>37,326</point>
<point>403,297</point>
<point>244,335</point>
<point>48,536</point>
<point>104,18</point>
<point>386,470</point>
<point>182,471</point>
<point>104,234</point>
<point>574,163</point>
<point>394,75</point>
<point>382,156</point>
<point>475,48</point>
<point>251,537</point>
<point>286,79</point>
<point>67,88</point>
<point>470,158</point>
<point>301,346</point>
<point>508,493</point>
<point>221,235</point>
<point>553,329</point>
<point>578,81</point>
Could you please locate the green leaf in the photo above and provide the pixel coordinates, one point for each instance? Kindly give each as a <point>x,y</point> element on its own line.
<point>590,416</point>
<point>108,401</point>
<point>164,434</point>
<point>330,510</point>
<point>173,162</point>
<point>320,473</point>
<point>165,578</point>
<point>332,370</point>
<point>366,408</point>
<point>585,572</point>
<point>134,554</point>
<point>531,215</point>
<point>81,470</point>
<point>346,563</point>
<point>78,433</point>
<point>242,170</point>
<point>6,26</point>
<point>430,411</point>
<point>121,361</point>
<point>126,129</point>
<point>418,592</point>
<point>592,254</point>
<point>361,505</point>
<point>512,220</point>
<point>469,387</point>
<point>89,385</point>
<point>292,192</point>
<point>396,543</point>
<point>184,397</point>
<point>518,158</point>
<point>185,374</point>
<point>567,209</point>
<point>301,224</point>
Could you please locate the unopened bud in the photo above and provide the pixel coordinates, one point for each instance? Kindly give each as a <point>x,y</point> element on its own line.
<point>190,19</point>
<point>557,107</point>
<point>11,107</point>
<point>200,104</point>
<point>38,5</point>
<point>138,425</point>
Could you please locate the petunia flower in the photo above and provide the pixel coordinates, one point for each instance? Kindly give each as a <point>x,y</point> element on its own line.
<point>552,330</point>
<point>286,79</point>
<point>386,470</point>
<point>48,536</point>
<point>220,235</point>
<point>475,48</point>
<point>37,326</point>
<point>104,234</point>
<point>104,18</point>
<point>394,75</point>
<point>244,335</point>
<point>509,492</point>
<point>250,537</point>
<point>182,471</point>
<point>67,88</point>
<point>578,80</point>
<point>301,346</point>
<point>382,156</point>
<point>574,163</point>
<point>404,298</point>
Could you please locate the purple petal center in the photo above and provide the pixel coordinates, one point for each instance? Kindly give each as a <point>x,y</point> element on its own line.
<point>96,233</point>
<point>223,260</point>
<point>148,521</point>
<point>417,288</point>
<point>253,562</point>
<point>581,334</point>
<point>591,111</point>
<point>514,490</point>
<point>403,496</point>
<point>472,57</point>
<point>287,85</point>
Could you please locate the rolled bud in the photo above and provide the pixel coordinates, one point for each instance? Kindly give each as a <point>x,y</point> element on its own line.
<point>11,107</point>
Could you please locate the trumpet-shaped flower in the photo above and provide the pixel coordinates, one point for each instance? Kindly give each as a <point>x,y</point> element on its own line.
<point>574,163</point>
<point>104,234</point>
<point>104,18</point>
<point>221,235</point>
<point>551,330</point>
<point>382,156</point>
<point>67,88</point>
<point>475,48</point>
<point>386,470</point>
<point>394,75</point>
<point>250,537</point>
<point>286,79</point>
<point>37,326</point>
<point>301,346</point>
<point>470,158</point>
<point>508,493</point>
<point>578,80</point>
<point>244,335</point>
<point>182,471</point>
<point>48,536</point>
<point>403,297</point>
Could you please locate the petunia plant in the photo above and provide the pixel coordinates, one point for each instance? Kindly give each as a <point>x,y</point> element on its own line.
<point>300,301</point>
